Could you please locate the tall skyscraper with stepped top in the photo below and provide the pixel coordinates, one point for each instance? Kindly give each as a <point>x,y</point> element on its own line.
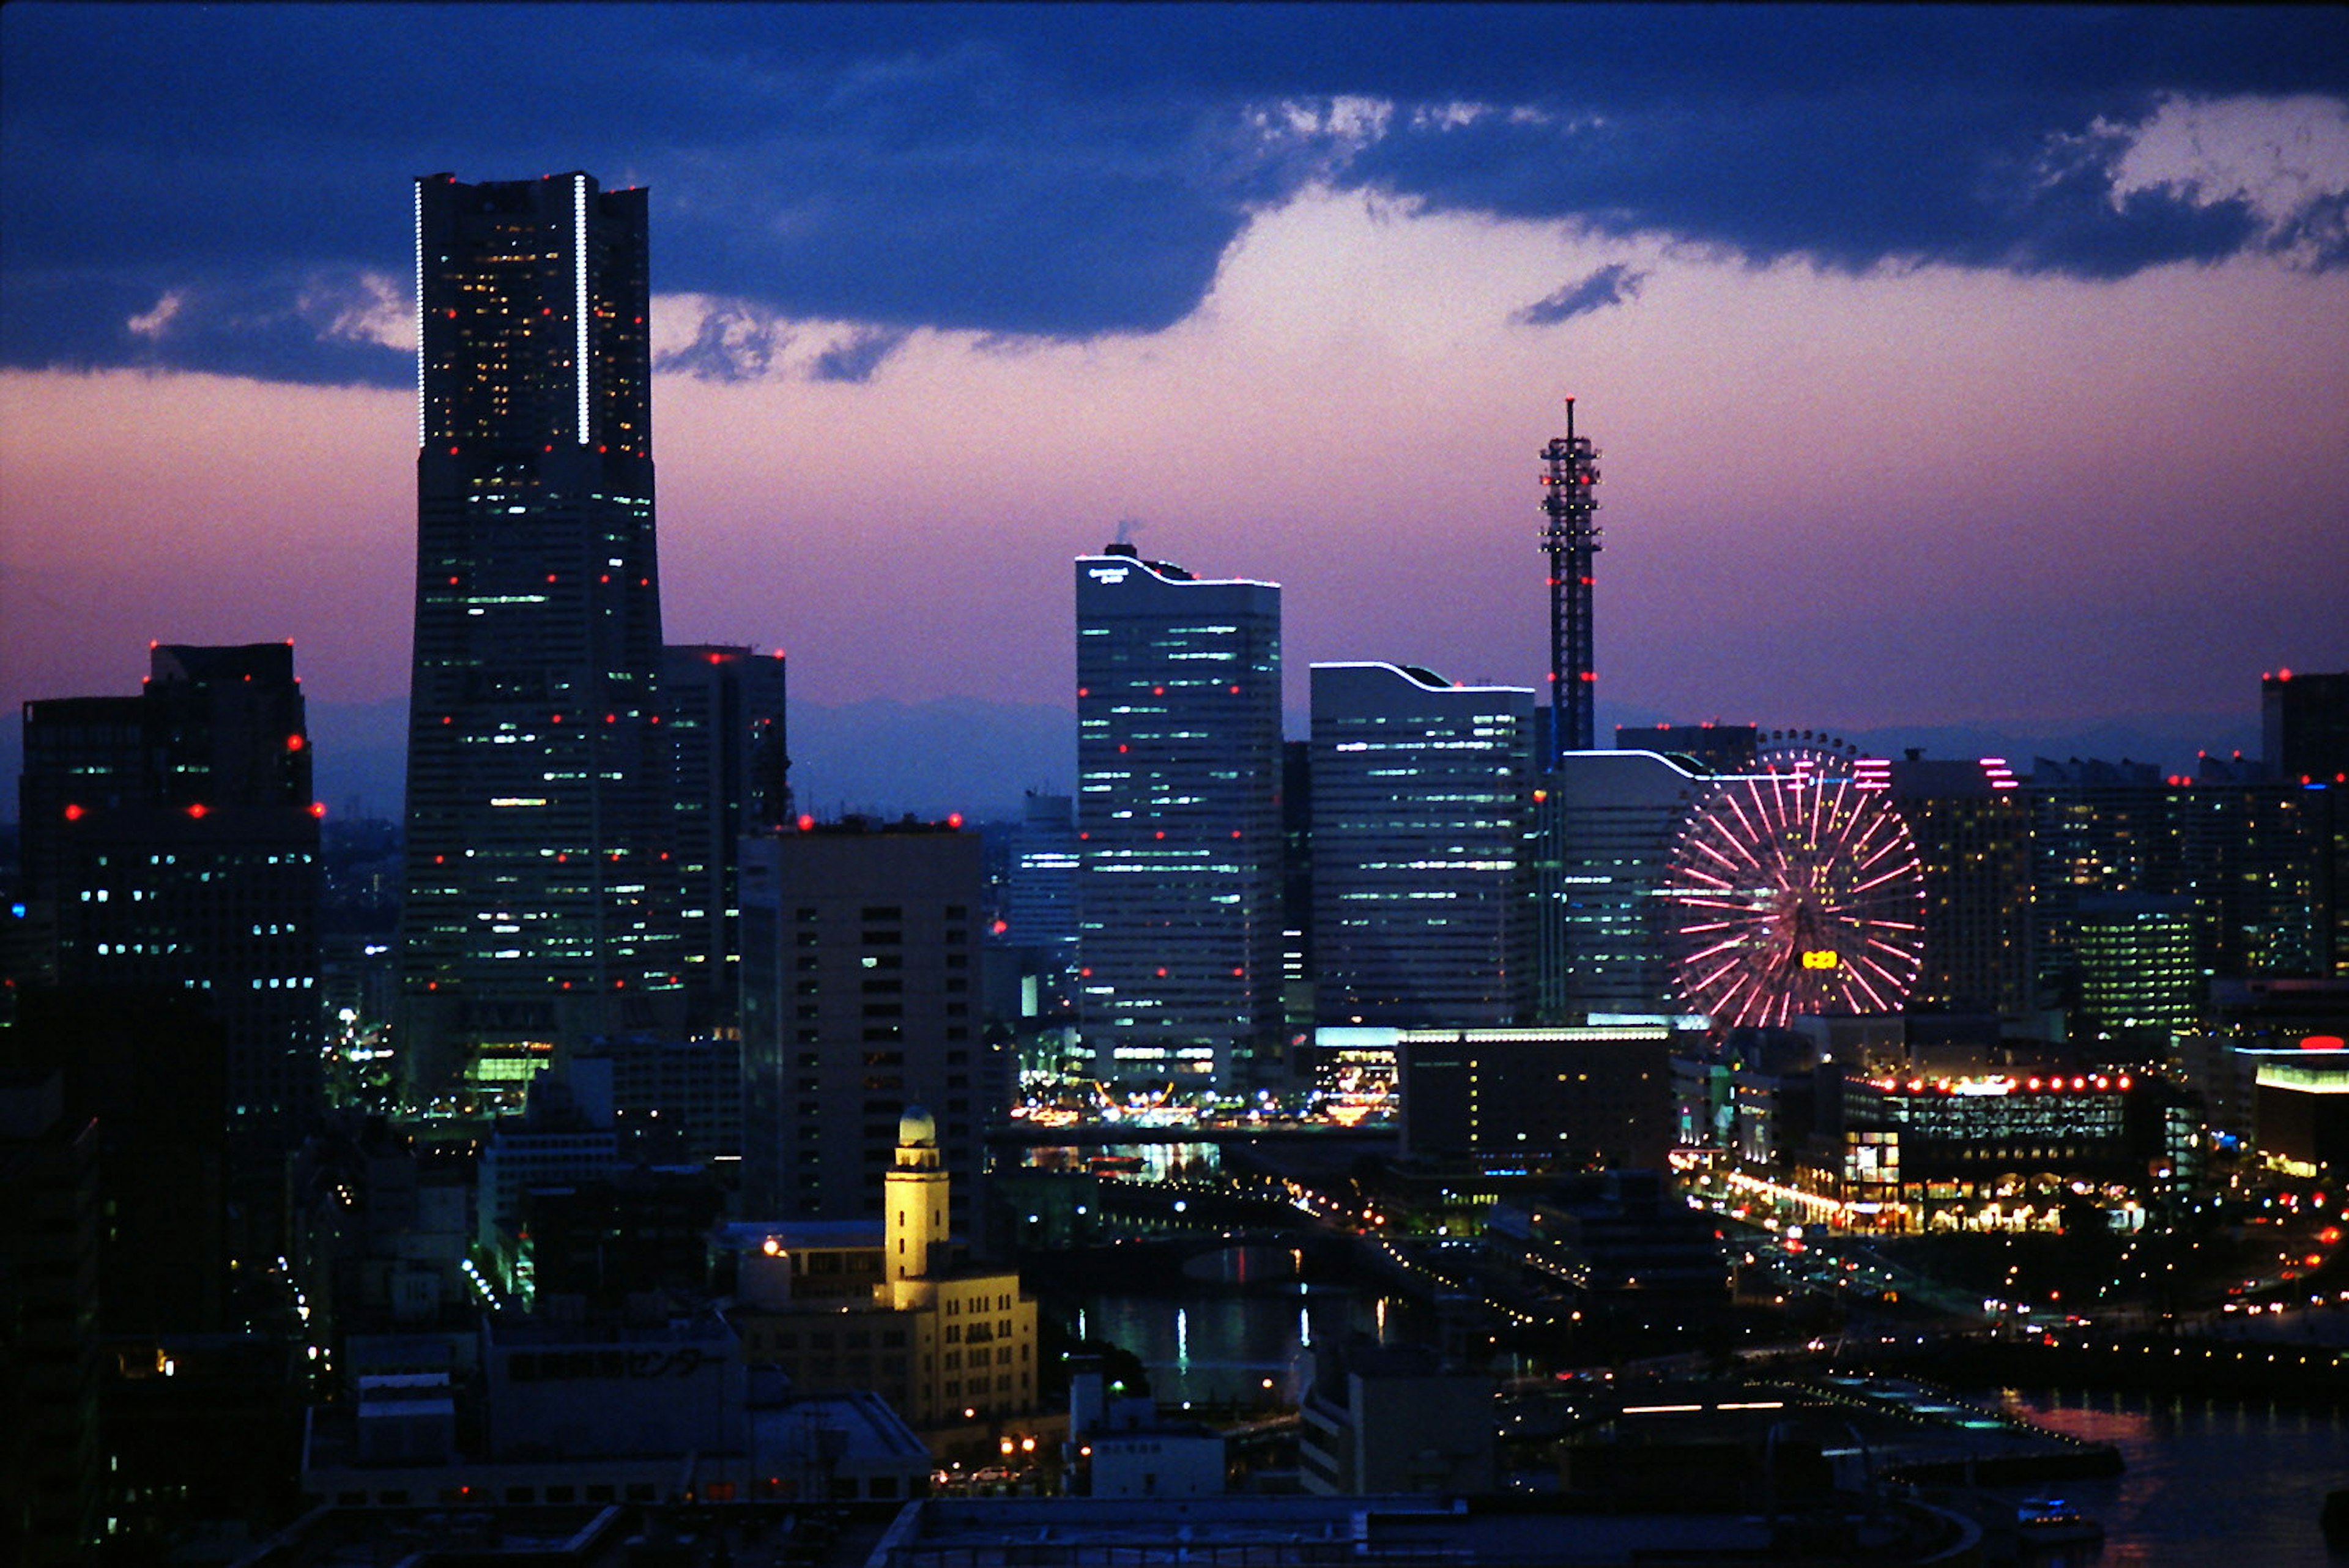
<point>538,908</point>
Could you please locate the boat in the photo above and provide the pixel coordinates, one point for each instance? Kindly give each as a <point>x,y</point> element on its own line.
<point>2052,1522</point>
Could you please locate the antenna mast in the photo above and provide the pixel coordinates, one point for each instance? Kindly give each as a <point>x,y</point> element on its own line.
<point>1569,538</point>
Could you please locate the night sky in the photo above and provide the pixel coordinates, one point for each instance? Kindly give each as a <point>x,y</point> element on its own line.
<point>1951,367</point>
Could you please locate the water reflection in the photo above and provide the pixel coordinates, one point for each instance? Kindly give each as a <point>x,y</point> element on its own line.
<point>2208,1481</point>
<point>1220,1346</point>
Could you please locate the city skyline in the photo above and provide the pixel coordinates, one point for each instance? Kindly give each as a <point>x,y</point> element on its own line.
<point>1997,389</point>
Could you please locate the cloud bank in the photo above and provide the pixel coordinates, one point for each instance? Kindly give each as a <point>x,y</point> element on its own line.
<point>232,201</point>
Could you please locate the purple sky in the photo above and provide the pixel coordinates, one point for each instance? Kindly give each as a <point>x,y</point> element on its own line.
<point>1966,366</point>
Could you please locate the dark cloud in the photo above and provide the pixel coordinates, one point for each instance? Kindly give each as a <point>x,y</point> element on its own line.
<point>1614,284</point>
<point>1064,172</point>
<point>856,358</point>
<point>733,342</point>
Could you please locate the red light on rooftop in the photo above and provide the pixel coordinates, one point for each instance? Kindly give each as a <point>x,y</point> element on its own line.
<point>2321,1043</point>
<point>716,657</point>
<point>199,811</point>
<point>954,819</point>
<point>318,808</point>
<point>74,813</point>
<point>2283,675</point>
<point>807,823</point>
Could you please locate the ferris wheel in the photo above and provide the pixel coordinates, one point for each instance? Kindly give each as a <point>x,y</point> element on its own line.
<point>1794,893</point>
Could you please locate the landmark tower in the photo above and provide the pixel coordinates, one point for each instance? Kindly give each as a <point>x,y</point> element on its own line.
<point>538,911</point>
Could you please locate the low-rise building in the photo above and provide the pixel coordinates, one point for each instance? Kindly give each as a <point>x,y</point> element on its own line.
<point>942,1341</point>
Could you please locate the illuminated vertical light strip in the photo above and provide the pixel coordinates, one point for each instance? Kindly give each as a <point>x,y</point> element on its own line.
<point>420,313</point>
<point>579,274</point>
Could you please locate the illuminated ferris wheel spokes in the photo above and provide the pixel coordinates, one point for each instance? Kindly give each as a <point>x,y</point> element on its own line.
<point>1795,892</point>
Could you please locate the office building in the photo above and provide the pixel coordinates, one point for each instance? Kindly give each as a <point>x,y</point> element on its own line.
<point>1973,830</point>
<point>2262,859</point>
<point>860,991</point>
<point>2304,726</point>
<point>1718,748</point>
<point>539,900</point>
<point>1040,905</point>
<point>173,839</point>
<point>2139,985</point>
<point>674,1100</point>
<point>2098,829</point>
<point>1607,823</point>
<point>1179,816</point>
<point>723,713</point>
<point>1422,818</point>
<point>1392,1419</point>
<point>1565,1096</point>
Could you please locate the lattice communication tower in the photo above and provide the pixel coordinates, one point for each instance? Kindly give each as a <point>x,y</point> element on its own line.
<point>1571,540</point>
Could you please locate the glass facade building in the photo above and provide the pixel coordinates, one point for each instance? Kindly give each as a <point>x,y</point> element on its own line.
<point>1422,812</point>
<point>538,906</point>
<point>1178,818</point>
<point>1607,820</point>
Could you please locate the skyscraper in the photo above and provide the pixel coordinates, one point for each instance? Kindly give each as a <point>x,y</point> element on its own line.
<point>2304,723</point>
<point>175,835</point>
<point>1422,812</point>
<point>1606,823</point>
<point>1178,820</point>
<point>722,711</point>
<point>1972,828</point>
<point>537,902</point>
